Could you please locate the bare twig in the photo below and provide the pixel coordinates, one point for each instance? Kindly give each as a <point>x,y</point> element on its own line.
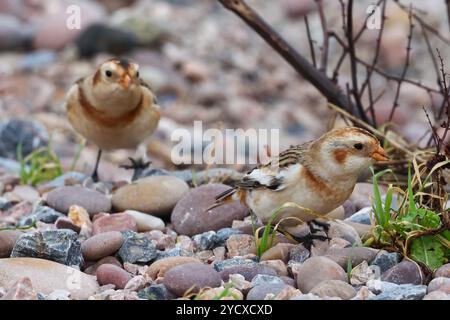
<point>447,2</point>
<point>353,61</point>
<point>293,57</point>
<point>323,22</point>
<point>377,49</point>
<point>445,95</point>
<point>311,43</point>
<point>405,66</point>
<point>434,135</point>
<point>426,25</point>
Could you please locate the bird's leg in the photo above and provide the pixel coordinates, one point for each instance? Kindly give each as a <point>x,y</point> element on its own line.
<point>139,163</point>
<point>94,175</point>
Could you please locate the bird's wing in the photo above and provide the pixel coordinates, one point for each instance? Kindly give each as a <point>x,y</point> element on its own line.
<point>147,86</point>
<point>274,174</point>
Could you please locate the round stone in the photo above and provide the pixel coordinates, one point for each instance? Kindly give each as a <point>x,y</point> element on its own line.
<point>160,267</point>
<point>316,270</point>
<point>8,239</point>
<point>114,222</point>
<point>112,274</point>
<point>249,271</point>
<point>61,199</point>
<point>190,216</point>
<point>47,276</point>
<point>406,272</point>
<point>192,277</point>
<point>101,245</point>
<point>259,292</point>
<point>439,284</point>
<point>334,288</point>
<point>92,270</point>
<point>443,271</point>
<point>156,195</point>
<point>146,222</point>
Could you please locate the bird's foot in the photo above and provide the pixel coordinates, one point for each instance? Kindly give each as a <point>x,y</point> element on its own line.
<point>308,240</point>
<point>323,226</point>
<point>138,165</point>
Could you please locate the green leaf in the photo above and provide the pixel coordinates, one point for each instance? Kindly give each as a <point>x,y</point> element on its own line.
<point>428,250</point>
<point>428,218</point>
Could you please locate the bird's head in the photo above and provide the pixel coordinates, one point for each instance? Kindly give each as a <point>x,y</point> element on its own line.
<point>348,151</point>
<point>118,75</point>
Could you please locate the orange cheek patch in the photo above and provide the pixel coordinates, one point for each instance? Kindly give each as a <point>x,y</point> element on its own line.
<point>340,155</point>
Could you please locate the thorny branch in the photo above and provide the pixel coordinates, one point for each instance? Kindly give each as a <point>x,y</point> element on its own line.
<point>358,98</point>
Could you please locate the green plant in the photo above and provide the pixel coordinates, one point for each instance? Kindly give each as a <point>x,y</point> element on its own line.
<point>39,166</point>
<point>414,229</point>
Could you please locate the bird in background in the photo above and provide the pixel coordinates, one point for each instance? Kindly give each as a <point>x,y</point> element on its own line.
<point>318,175</point>
<point>115,109</point>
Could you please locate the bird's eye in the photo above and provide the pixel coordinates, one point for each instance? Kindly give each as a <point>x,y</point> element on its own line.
<point>358,146</point>
<point>108,73</point>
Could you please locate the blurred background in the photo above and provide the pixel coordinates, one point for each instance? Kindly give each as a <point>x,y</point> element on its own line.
<point>204,64</point>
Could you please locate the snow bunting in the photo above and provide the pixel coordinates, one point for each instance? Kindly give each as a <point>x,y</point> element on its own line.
<point>114,109</point>
<point>318,176</point>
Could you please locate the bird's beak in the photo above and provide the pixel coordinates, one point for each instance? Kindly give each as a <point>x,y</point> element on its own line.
<point>125,82</point>
<point>379,154</point>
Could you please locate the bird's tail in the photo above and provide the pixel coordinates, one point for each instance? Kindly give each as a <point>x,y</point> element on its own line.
<point>223,198</point>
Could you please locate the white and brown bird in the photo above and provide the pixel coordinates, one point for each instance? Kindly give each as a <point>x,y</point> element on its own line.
<point>114,109</point>
<point>318,175</point>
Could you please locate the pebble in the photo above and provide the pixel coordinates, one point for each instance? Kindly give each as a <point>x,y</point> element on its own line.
<point>334,288</point>
<point>317,269</point>
<point>30,135</point>
<point>68,178</point>
<point>363,273</point>
<point>57,245</point>
<point>21,290</point>
<point>386,260</point>
<point>362,194</point>
<point>363,216</point>
<point>215,293</point>
<point>249,271</point>
<point>221,265</point>
<point>66,223</point>
<point>261,291</point>
<point>47,276</point>
<point>356,255</point>
<point>443,271</point>
<point>240,245</point>
<point>26,193</point>
<point>437,295</point>
<point>439,284</point>
<point>102,245</point>
<point>406,272</point>
<point>192,277</point>
<point>206,241</point>
<point>158,268</point>
<point>8,239</point>
<point>189,217</point>
<point>363,294</point>
<point>155,292</point>
<point>299,254</point>
<point>62,198</point>
<point>402,292</point>
<point>146,222</point>
<point>112,274</point>
<point>155,195</point>
<point>80,217</point>
<point>339,229</point>
<point>137,248</point>
<point>114,222</point>
<point>44,214</point>
<point>92,270</point>
<point>261,279</point>
<point>281,251</point>
<point>278,265</point>
<point>58,295</point>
